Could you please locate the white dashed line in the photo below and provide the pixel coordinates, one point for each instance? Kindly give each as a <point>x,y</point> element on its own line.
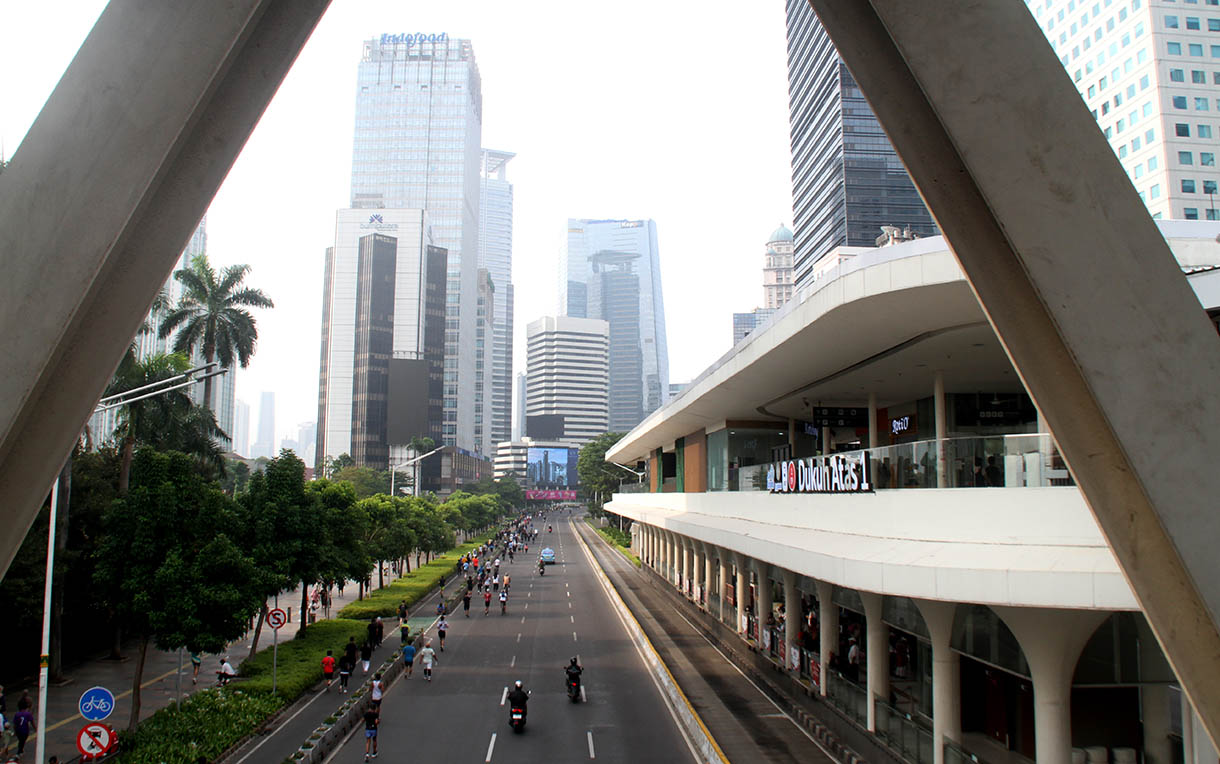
<point>583,699</point>
<point>503,697</point>
<point>591,755</point>
<point>518,639</point>
<point>522,619</point>
<point>490,747</point>
<point>573,618</point>
<point>511,663</point>
<point>573,636</point>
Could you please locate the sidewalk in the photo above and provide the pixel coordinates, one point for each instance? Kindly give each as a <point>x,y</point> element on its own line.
<point>162,680</point>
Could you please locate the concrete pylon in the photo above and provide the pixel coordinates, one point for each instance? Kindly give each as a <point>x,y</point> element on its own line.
<point>1077,281</point>
<point>102,196</point>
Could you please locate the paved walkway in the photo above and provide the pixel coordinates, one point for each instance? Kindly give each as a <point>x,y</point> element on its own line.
<point>163,680</point>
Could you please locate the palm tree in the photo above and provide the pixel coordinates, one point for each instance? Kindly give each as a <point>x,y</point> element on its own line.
<point>145,420</point>
<point>212,316</point>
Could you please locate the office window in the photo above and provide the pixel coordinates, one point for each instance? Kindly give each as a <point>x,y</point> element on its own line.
<point>1200,104</point>
<point>1155,191</point>
<point>1213,25</point>
<point>1118,100</point>
<point>1195,49</point>
<point>1105,108</point>
<point>1179,102</point>
<point>1139,170</point>
<point>1185,157</point>
<point>1153,163</point>
<point>1092,91</point>
<point>1144,82</point>
<point>1135,145</point>
<point>1216,78</point>
<point>1147,109</point>
<point>1198,77</point>
<point>1181,130</point>
<point>1190,213</point>
<point>1215,51</point>
<point>1188,186</point>
<point>1177,75</point>
<point>1119,126</point>
<point>1205,131</point>
<point>1122,152</point>
<point>1171,22</point>
<point>1209,187</point>
<point>1142,56</point>
<point>1149,137</point>
<point>1212,213</point>
<point>1192,22</point>
<point>1207,159</point>
<point>1173,48</point>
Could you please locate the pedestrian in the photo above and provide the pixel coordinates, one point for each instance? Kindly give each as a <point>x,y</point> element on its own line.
<point>408,658</point>
<point>440,608</point>
<point>371,720</point>
<point>366,655</point>
<point>402,612</point>
<point>380,631</point>
<point>345,672</point>
<point>226,673</point>
<point>442,626</point>
<point>507,579</point>
<point>351,650</point>
<point>495,583</point>
<point>372,632</point>
<point>428,657</point>
<point>25,701</point>
<point>466,603</point>
<point>486,601</point>
<point>328,669</point>
<point>376,692</point>
<point>196,662</point>
<point>405,633</point>
<point>23,725</point>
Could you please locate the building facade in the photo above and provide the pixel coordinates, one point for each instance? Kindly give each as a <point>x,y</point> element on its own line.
<point>241,429</point>
<point>884,517</point>
<point>264,444</point>
<point>1149,72</point>
<point>496,255</point>
<point>419,116</point>
<point>778,281</point>
<point>383,314</point>
<point>484,345</point>
<point>847,180</point>
<point>567,378</point>
<point>745,323</point>
<point>611,270</point>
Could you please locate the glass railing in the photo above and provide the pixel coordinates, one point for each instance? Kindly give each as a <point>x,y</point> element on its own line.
<point>633,488</point>
<point>848,697</point>
<point>955,754</point>
<point>903,734</point>
<point>1000,461</point>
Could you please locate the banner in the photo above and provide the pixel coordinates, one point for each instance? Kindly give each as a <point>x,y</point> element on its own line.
<point>550,495</point>
<point>794,658</point>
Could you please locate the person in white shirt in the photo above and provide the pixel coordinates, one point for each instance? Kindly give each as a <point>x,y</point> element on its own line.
<point>226,673</point>
<point>428,657</point>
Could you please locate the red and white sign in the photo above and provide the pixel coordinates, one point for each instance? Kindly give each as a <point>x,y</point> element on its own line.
<point>95,739</point>
<point>550,495</point>
<point>276,618</point>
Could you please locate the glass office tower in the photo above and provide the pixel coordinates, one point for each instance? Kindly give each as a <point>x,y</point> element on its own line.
<point>611,270</point>
<point>419,116</point>
<point>847,180</point>
<point>496,255</point>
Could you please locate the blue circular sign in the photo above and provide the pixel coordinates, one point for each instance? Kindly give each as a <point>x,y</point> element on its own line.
<point>96,703</point>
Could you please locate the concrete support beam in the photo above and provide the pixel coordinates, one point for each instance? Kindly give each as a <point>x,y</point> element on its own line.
<point>872,421</point>
<point>1033,227</point>
<point>1052,640</point>
<point>828,630</point>
<point>938,410</point>
<point>877,653</point>
<point>742,592</point>
<point>792,619</point>
<point>102,196</point>
<point>709,580</point>
<point>946,676</point>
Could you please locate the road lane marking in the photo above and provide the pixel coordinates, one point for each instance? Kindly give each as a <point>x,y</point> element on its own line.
<point>569,605</point>
<point>527,606</point>
<point>573,636</point>
<point>568,593</point>
<point>583,697</point>
<point>573,618</point>
<point>512,663</point>
<point>590,734</point>
<point>522,619</point>
<point>518,638</point>
<point>504,696</point>
<point>490,747</point>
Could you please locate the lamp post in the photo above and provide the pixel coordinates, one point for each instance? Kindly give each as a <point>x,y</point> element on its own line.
<point>394,468</point>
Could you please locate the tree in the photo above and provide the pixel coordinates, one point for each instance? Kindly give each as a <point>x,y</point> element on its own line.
<point>366,481</point>
<point>212,316</point>
<point>338,463</point>
<point>140,421</point>
<point>169,565</point>
<point>237,476</point>
<point>598,478</point>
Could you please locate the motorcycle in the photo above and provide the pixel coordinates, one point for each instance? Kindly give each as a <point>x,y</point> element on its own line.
<point>516,718</point>
<point>573,689</point>
<point>542,570</point>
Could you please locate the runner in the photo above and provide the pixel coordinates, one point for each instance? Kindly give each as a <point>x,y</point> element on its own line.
<point>346,665</point>
<point>428,656</point>
<point>328,669</point>
<point>466,603</point>
<point>408,658</point>
<point>377,692</point>
<point>196,662</point>
<point>486,601</point>
<point>371,720</point>
<point>366,656</point>
<point>441,627</point>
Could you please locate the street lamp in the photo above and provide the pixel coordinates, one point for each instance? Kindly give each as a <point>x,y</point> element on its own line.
<point>408,463</point>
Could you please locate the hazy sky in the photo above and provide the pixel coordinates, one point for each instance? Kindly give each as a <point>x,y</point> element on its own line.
<point>665,110</point>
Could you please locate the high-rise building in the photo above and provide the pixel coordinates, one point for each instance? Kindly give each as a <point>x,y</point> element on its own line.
<point>1143,73</point>
<point>419,117</point>
<point>496,255</point>
<point>383,314</point>
<point>611,270</point>
<point>484,357</point>
<point>568,378</point>
<point>519,408</point>
<point>265,444</point>
<point>847,180</point>
<point>778,282</point>
<point>241,429</point>
<point>307,437</point>
<point>745,323</point>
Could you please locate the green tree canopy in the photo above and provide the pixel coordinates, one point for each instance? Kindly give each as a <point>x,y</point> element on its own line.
<point>365,481</point>
<point>599,479</point>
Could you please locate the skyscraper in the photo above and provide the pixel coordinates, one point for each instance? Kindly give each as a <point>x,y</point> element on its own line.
<point>777,269</point>
<point>518,409</point>
<point>611,270</point>
<point>419,116</point>
<point>265,444</point>
<point>1141,69</point>
<point>382,338</point>
<point>241,429</point>
<point>484,359</point>
<point>568,382</point>
<point>496,255</point>
<point>847,180</point>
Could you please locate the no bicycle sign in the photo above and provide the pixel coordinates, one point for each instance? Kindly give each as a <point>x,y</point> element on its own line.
<point>95,739</point>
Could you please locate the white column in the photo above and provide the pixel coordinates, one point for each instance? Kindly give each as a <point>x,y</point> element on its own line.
<point>764,597</point>
<point>742,588</point>
<point>1052,641</point>
<point>721,574</point>
<point>872,420</point>
<point>828,629</point>
<point>877,655</point>
<point>938,405</point>
<point>946,676</point>
<point>792,618</point>
<point>708,551</point>
<point>684,581</point>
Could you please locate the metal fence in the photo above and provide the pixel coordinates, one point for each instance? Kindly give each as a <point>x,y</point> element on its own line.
<point>903,734</point>
<point>848,697</point>
<point>955,754</point>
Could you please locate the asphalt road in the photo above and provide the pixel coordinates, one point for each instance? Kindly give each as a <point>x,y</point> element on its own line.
<point>459,716</point>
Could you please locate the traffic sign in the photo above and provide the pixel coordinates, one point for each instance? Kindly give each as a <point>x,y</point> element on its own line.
<point>95,739</point>
<point>96,703</point>
<point>276,618</point>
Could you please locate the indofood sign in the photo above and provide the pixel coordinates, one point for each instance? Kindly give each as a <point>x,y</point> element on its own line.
<point>412,39</point>
<point>837,473</point>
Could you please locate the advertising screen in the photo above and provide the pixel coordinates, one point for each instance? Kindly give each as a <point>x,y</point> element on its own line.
<point>551,468</point>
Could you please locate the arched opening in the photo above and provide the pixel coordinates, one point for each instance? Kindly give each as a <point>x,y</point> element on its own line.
<point>997,691</point>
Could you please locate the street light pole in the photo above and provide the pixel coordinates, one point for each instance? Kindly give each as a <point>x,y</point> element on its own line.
<point>44,659</point>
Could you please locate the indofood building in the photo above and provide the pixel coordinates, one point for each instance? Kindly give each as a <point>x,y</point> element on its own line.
<point>863,497</point>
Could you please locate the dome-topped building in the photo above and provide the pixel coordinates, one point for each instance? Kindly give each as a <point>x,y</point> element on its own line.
<point>777,268</point>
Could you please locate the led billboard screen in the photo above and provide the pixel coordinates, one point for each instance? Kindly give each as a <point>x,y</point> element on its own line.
<point>551,468</point>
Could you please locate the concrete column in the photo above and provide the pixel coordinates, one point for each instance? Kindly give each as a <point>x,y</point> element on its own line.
<point>828,629</point>
<point>764,597</point>
<point>684,580</point>
<point>1154,705</point>
<point>1052,641</point>
<point>946,676</point>
<point>877,654</point>
<point>872,420</point>
<point>792,618</point>
<point>938,406</point>
<point>708,580</point>
<point>742,589</point>
<point>827,446</point>
<point>721,578</point>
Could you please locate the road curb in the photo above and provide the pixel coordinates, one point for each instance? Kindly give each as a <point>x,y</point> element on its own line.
<point>696,731</point>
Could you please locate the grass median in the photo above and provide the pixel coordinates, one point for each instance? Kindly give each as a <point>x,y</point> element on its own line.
<point>412,587</point>
<point>620,540</point>
<point>205,726</point>
<point>300,659</point>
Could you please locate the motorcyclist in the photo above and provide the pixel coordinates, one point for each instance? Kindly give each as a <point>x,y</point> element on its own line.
<point>574,670</point>
<point>518,697</point>
<point>541,568</point>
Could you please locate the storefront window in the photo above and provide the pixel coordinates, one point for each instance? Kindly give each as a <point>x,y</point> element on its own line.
<point>718,460</point>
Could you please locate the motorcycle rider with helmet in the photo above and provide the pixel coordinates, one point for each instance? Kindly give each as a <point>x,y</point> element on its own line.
<point>573,671</point>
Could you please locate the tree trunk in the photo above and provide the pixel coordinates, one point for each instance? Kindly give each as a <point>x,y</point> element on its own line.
<point>207,383</point>
<point>304,607</point>
<point>380,574</point>
<point>258,630</point>
<point>129,451</point>
<point>57,591</point>
<point>135,684</point>
<point>406,564</point>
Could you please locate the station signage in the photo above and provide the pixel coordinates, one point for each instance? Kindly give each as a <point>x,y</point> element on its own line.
<point>837,473</point>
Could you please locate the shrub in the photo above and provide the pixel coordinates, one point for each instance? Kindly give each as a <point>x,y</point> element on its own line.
<point>300,659</point>
<point>412,587</point>
<point>204,727</point>
<point>620,540</point>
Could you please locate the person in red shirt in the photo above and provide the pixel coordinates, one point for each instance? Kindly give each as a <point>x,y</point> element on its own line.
<point>328,669</point>
<point>486,600</point>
